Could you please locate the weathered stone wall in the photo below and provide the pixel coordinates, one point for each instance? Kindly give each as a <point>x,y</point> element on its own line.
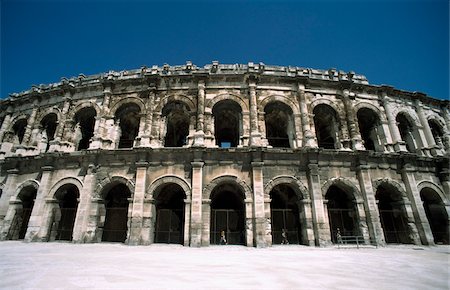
<point>250,130</point>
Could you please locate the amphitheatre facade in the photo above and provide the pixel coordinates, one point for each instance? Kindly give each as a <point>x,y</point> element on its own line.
<point>252,154</point>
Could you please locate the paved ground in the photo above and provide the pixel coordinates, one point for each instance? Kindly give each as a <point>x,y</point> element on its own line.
<point>100,266</point>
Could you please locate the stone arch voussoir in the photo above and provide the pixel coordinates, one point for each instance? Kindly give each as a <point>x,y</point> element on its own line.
<point>176,98</point>
<point>164,180</point>
<point>345,184</point>
<point>31,182</point>
<point>298,187</point>
<point>104,185</point>
<point>399,187</point>
<point>428,184</point>
<point>375,109</point>
<point>67,180</point>
<point>279,98</point>
<point>208,189</point>
<point>127,100</point>
<point>233,97</point>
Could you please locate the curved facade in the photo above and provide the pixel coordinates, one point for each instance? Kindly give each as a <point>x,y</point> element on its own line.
<point>239,154</point>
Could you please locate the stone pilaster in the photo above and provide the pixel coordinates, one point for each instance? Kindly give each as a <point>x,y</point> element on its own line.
<point>187,221</point>
<point>427,130</point>
<point>255,135</point>
<point>6,124</point>
<point>36,227</point>
<point>419,215</point>
<point>148,117</point>
<point>135,235</point>
<point>321,225</point>
<point>308,228</point>
<point>30,124</point>
<point>249,222</point>
<point>8,191</point>
<point>60,129</point>
<point>399,144</point>
<point>199,135</point>
<point>196,205</point>
<point>258,204</point>
<point>149,219</point>
<point>81,232</point>
<point>370,205</point>
<point>308,137</point>
<point>352,122</point>
<point>205,226</point>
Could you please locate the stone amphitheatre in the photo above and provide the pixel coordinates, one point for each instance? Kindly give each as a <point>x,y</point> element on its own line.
<point>242,154</point>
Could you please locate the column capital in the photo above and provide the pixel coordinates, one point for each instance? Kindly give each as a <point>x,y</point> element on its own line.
<point>141,164</point>
<point>47,168</point>
<point>197,164</point>
<point>13,171</point>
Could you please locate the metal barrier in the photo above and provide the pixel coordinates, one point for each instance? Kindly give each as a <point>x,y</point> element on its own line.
<point>352,240</point>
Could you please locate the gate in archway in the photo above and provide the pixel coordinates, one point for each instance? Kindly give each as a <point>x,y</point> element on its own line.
<point>65,225</point>
<point>24,219</point>
<point>395,227</point>
<point>285,219</point>
<point>169,226</point>
<point>230,221</point>
<point>344,220</point>
<point>115,228</point>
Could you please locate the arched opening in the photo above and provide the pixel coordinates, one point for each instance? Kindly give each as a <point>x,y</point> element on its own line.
<point>437,132</point>
<point>116,217</point>
<point>84,128</point>
<point>279,125</point>
<point>436,214</point>
<point>369,127</point>
<point>393,216</point>
<point>169,203</point>
<point>22,216</point>
<point>19,130</point>
<point>285,216</point>
<point>227,215</point>
<point>406,132</point>
<point>227,123</point>
<point>177,124</point>
<point>65,214</point>
<point>342,215</point>
<point>327,126</point>
<point>49,123</point>
<point>128,117</point>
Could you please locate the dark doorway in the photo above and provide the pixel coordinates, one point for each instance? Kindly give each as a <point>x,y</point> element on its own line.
<point>436,214</point>
<point>438,133</point>
<point>341,213</point>
<point>285,215</point>
<point>128,116</point>
<point>392,215</point>
<point>227,215</point>
<point>279,124</point>
<point>406,131</point>
<point>116,218</point>
<point>19,129</point>
<point>22,217</point>
<point>67,196</point>
<point>327,127</point>
<point>169,227</point>
<point>368,123</point>
<point>49,123</point>
<point>86,120</point>
<point>227,123</point>
<point>177,120</point>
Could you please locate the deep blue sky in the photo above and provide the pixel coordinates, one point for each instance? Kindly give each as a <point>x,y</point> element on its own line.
<point>401,43</point>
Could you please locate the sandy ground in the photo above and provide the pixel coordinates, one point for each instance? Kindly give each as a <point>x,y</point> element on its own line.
<point>101,266</point>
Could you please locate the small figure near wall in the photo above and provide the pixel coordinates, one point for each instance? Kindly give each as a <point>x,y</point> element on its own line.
<point>284,238</point>
<point>223,240</point>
